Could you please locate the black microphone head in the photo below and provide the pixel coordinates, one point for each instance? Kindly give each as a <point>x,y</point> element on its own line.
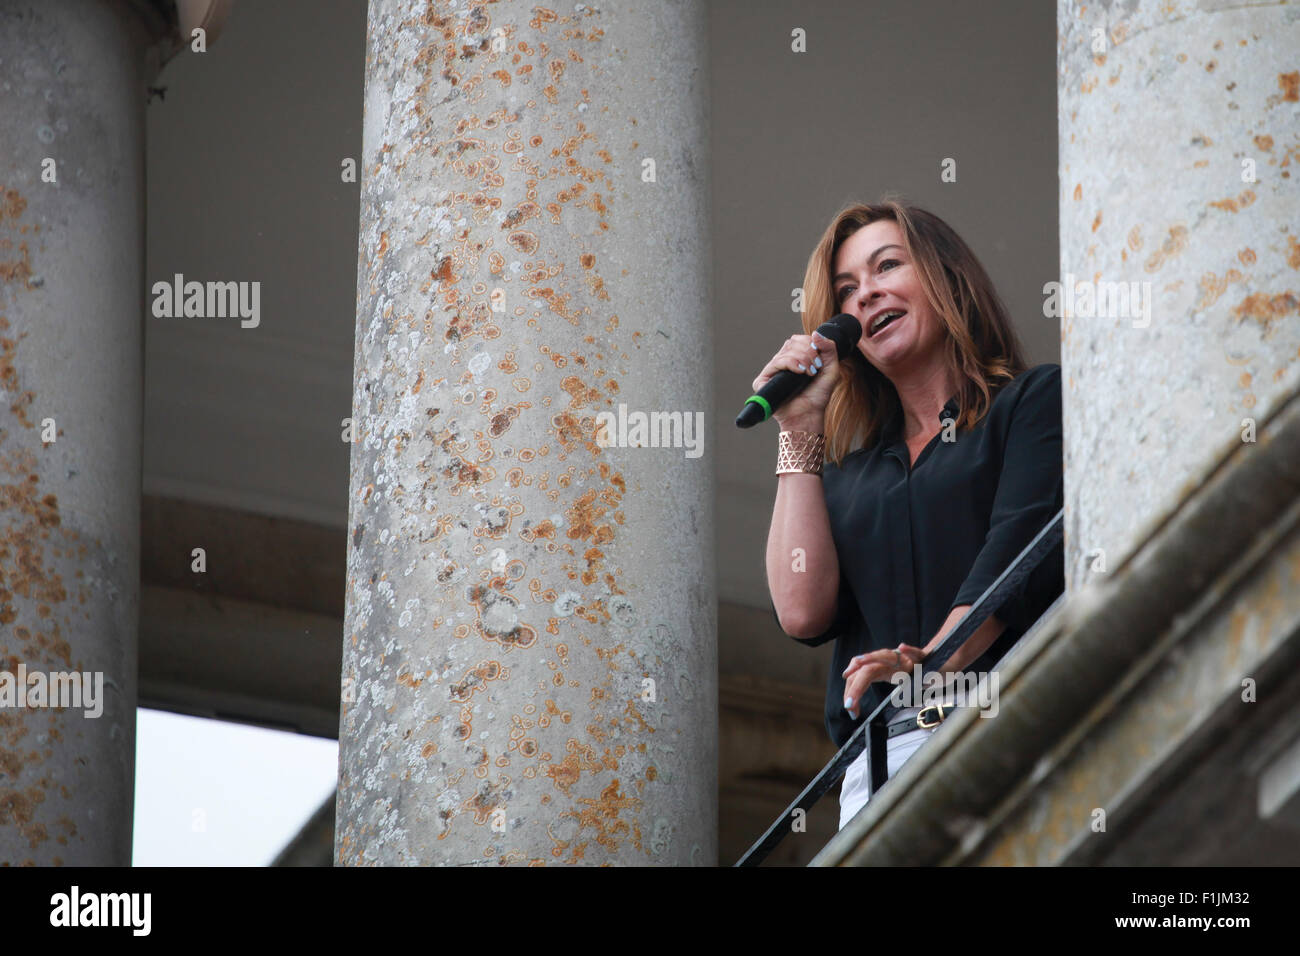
<point>844,330</point>
<point>751,415</point>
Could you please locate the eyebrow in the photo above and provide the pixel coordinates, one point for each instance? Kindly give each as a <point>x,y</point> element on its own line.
<point>848,275</point>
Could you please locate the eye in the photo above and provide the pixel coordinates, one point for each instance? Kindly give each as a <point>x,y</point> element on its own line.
<point>844,289</point>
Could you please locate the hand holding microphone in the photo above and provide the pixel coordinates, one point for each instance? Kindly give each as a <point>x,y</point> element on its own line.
<point>796,385</point>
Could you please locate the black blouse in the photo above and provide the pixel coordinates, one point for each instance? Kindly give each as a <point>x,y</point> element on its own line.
<point>913,543</point>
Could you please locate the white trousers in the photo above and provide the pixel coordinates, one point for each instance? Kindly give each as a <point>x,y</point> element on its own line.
<point>855,790</point>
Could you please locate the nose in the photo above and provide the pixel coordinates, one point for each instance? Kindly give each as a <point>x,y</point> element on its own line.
<point>864,295</point>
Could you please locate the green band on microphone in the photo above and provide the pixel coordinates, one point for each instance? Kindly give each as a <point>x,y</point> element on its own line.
<point>760,400</point>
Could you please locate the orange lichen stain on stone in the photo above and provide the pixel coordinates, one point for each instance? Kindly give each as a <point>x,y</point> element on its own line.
<point>1292,252</point>
<point>483,599</point>
<point>580,394</point>
<point>569,770</point>
<point>1265,308</point>
<point>569,430</point>
<point>502,421</point>
<point>1244,381</point>
<point>584,520</point>
<point>543,529</point>
<point>603,815</point>
<point>541,17</point>
<point>18,808</point>
<point>1289,83</point>
<point>553,710</point>
<point>485,799</point>
<point>12,204</point>
<point>1174,243</point>
<point>1212,287</point>
<point>607,654</point>
<point>17,269</point>
<point>442,271</point>
<point>596,285</point>
<point>428,751</point>
<point>593,613</point>
<point>9,377</point>
<point>1233,205</point>
<point>1246,256</point>
<point>521,213</point>
<point>407,679</point>
<point>635,715</point>
<point>1078,191</point>
<point>1096,223</point>
<point>1264,142</point>
<point>475,680</point>
<point>557,303</point>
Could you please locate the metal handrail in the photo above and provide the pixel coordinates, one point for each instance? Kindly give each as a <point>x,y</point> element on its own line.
<point>873,728</point>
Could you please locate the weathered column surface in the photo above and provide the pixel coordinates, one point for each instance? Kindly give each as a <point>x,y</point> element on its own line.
<point>529,646</point>
<point>1180,152</point>
<point>72,97</point>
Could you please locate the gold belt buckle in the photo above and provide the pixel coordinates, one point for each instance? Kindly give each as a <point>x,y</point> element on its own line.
<point>920,718</point>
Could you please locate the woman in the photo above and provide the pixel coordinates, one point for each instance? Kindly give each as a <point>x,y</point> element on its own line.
<point>884,548</point>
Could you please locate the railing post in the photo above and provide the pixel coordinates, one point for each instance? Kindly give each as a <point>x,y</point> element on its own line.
<point>877,761</point>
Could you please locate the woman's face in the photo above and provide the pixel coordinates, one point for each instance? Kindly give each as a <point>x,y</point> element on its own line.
<point>872,274</point>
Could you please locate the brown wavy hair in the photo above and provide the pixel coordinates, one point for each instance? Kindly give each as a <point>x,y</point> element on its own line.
<point>982,347</point>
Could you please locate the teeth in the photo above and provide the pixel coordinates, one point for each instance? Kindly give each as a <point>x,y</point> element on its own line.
<point>892,313</point>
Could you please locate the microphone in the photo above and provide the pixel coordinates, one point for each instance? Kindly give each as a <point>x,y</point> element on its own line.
<point>844,330</point>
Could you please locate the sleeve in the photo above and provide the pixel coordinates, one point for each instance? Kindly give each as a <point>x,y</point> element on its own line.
<point>1029,494</point>
<point>846,617</point>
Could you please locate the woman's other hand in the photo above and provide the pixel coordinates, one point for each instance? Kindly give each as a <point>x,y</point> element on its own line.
<point>865,669</point>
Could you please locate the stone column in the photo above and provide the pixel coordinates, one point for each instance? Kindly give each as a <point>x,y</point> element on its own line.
<point>73,79</point>
<point>1179,144</point>
<point>529,670</point>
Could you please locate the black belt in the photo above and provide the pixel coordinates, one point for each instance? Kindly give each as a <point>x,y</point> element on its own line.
<point>928,718</point>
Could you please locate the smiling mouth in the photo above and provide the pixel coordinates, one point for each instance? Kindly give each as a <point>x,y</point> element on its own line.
<point>882,323</point>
